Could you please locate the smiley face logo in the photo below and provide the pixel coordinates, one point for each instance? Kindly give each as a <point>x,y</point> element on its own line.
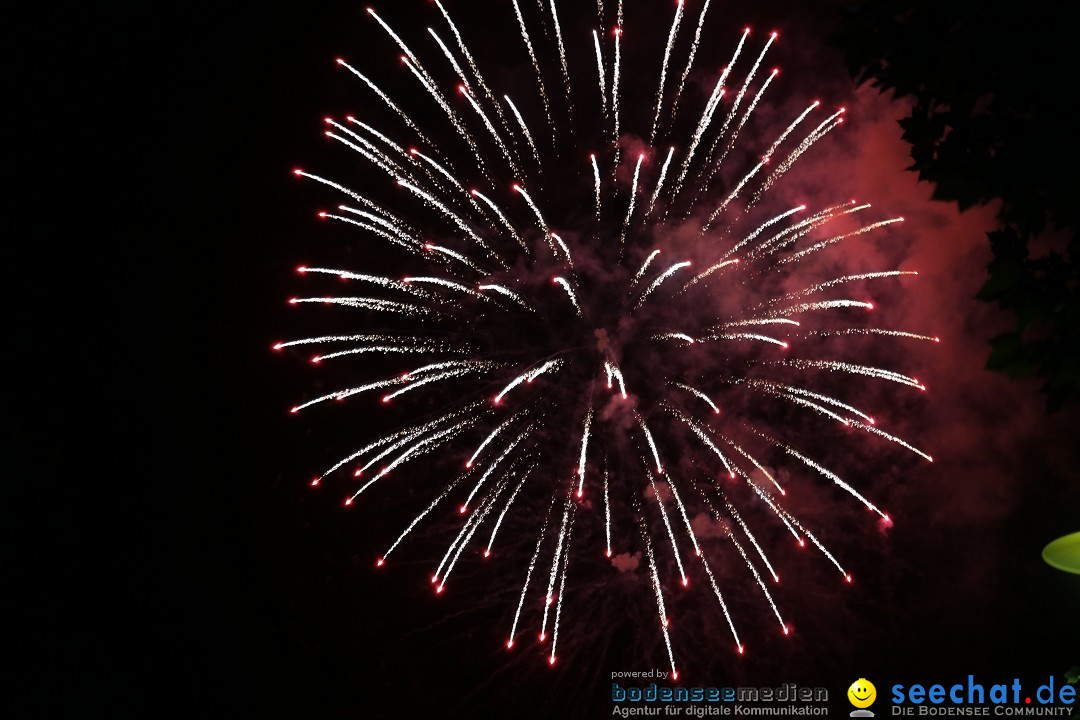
<point>862,693</point>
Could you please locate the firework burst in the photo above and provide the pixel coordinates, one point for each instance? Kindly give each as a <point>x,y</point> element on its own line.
<point>619,328</point>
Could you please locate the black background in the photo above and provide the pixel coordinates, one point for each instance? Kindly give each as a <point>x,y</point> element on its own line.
<point>163,555</point>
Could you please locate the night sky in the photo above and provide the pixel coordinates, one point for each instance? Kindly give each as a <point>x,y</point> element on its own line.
<point>169,558</point>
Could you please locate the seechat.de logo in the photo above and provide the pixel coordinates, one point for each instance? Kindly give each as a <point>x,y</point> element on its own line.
<point>862,695</point>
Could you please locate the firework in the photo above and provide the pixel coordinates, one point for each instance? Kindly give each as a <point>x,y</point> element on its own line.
<point>587,357</point>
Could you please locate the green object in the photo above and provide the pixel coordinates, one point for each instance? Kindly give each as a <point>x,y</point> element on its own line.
<point>1064,553</point>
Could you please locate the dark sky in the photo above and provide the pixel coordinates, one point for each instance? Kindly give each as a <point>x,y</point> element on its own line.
<point>170,560</point>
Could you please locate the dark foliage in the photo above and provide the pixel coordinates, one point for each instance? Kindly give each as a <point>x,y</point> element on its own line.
<point>991,123</point>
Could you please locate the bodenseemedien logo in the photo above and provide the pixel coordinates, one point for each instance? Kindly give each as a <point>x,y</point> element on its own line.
<point>862,695</point>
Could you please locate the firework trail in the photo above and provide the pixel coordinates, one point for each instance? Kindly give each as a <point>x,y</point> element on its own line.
<point>502,218</point>
<point>698,393</point>
<point>532,206</point>
<point>645,266</point>
<point>660,280</point>
<point>660,181</point>
<point>607,514</point>
<point>720,137</point>
<point>633,199</point>
<point>601,72</point>
<point>690,60</point>
<point>528,575</point>
<point>584,449</point>
<point>667,526</point>
<point>565,285</point>
<point>616,75</point>
<point>596,182</point>
<point>562,62</point>
<point>526,350</point>
<point>553,576</point>
<point>506,509</point>
<point>536,67</point>
<point>664,68</point>
<point>524,128</point>
<point>491,129</point>
<point>661,609</point>
<point>472,64</point>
